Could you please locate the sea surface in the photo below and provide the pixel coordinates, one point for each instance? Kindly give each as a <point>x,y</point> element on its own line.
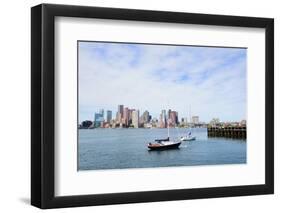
<point>127,148</point>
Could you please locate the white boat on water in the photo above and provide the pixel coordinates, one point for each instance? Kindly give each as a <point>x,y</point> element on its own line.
<point>189,137</point>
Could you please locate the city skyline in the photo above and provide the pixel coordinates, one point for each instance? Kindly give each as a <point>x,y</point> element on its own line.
<point>154,77</point>
<point>114,112</point>
<point>126,117</point>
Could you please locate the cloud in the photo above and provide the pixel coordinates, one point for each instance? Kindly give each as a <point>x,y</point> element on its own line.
<point>154,77</point>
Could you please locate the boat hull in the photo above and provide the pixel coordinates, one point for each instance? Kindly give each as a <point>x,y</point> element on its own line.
<point>188,139</point>
<point>164,147</point>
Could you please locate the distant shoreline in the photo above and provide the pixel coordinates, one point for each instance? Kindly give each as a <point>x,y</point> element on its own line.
<point>146,128</point>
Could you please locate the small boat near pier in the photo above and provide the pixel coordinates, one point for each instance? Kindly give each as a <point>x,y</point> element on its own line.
<point>189,137</point>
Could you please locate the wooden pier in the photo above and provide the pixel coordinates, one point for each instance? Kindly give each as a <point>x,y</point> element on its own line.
<point>228,132</point>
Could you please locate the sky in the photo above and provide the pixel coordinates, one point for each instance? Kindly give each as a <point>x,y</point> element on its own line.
<point>206,81</point>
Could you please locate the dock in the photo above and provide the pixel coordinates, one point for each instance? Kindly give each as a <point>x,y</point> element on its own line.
<point>228,132</point>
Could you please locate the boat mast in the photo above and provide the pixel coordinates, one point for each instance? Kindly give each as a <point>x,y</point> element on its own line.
<point>168,120</point>
<point>189,116</point>
<point>168,129</point>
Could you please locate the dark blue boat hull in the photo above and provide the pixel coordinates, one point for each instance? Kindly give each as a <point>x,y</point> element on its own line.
<point>160,148</point>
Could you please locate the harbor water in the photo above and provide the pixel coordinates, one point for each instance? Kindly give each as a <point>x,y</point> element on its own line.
<point>127,148</point>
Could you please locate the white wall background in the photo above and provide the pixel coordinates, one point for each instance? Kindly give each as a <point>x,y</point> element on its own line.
<point>15,106</point>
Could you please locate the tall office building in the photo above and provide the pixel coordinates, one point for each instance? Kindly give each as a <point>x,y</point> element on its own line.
<point>135,118</point>
<point>145,116</point>
<point>164,116</point>
<point>118,117</point>
<point>98,119</point>
<point>162,119</point>
<point>126,116</point>
<point>121,109</point>
<point>119,114</point>
<point>173,118</point>
<point>108,116</point>
<point>130,116</point>
<point>169,113</point>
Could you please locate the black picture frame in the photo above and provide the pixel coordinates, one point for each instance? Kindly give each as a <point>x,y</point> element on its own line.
<point>43,105</point>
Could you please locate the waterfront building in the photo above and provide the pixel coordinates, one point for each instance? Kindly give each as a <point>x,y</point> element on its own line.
<point>141,121</point>
<point>169,113</point>
<point>195,119</point>
<point>98,119</point>
<point>144,119</point>
<point>135,118</point>
<point>164,117</point>
<point>160,123</point>
<point>146,116</point>
<point>106,125</point>
<point>183,122</point>
<point>125,120</point>
<point>173,118</point>
<point>121,110</point>
<point>118,117</point>
<point>108,116</point>
<point>154,122</point>
<point>148,125</point>
<point>243,123</point>
<point>214,122</point>
<point>130,116</point>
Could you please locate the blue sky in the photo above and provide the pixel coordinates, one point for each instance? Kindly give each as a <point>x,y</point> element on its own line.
<point>209,80</point>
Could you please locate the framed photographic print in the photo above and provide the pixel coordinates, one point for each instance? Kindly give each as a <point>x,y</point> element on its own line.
<point>141,106</point>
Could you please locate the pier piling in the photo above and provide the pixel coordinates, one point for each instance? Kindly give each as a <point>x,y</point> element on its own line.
<point>228,132</point>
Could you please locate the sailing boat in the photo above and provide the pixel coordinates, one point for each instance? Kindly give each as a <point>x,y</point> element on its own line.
<point>164,144</point>
<point>189,137</point>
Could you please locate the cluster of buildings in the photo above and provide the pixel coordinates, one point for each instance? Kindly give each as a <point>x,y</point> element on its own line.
<point>125,117</point>
<point>132,118</point>
<point>215,122</point>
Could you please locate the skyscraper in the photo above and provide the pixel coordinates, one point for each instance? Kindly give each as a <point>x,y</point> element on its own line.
<point>169,113</point>
<point>120,110</point>
<point>98,119</point>
<point>145,116</point>
<point>173,118</point>
<point>126,116</point>
<point>119,114</point>
<point>135,118</point>
<point>108,116</point>
<point>118,117</point>
<point>130,116</point>
<point>164,116</point>
<point>162,119</point>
